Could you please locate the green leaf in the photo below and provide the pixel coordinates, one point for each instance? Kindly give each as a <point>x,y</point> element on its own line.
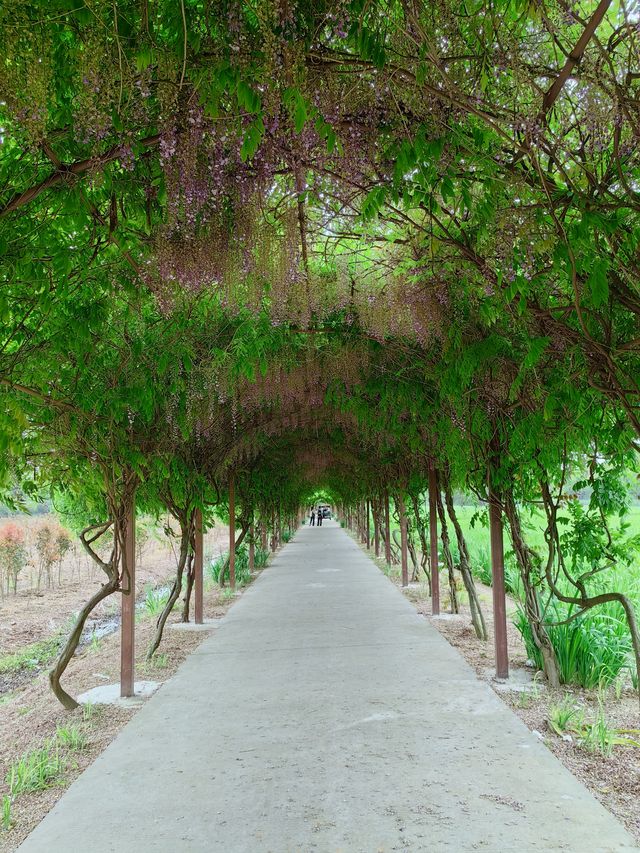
<point>373,203</point>
<point>252,139</point>
<point>299,114</point>
<point>537,346</point>
<point>598,282</point>
<point>550,406</point>
<point>117,121</point>
<point>144,57</point>
<point>247,98</point>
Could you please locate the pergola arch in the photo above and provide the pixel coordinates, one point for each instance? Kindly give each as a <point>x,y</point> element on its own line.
<point>224,231</point>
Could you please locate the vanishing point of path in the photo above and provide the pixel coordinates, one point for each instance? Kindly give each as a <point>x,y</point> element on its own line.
<point>324,715</point>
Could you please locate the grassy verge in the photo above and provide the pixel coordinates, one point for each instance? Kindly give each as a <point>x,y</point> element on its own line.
<point>31,657</point>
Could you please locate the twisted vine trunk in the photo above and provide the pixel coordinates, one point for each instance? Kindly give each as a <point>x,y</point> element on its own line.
<point>530,583</point>
<point>477,617</point>
<point>115,571</point>
<point>186,522</point>
<point>394,548</point>
<point>583,601</point>
<point>410,550</point>
<point>111,586</point>
<point>422,535</point>
<point>446,551</point>
<point>190,575</point>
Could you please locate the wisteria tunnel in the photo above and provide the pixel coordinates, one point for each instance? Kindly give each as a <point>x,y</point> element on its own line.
<point>265,258</point>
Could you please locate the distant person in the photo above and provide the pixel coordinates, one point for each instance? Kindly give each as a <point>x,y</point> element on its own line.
<point>312,520</point>
<point>319,517</point>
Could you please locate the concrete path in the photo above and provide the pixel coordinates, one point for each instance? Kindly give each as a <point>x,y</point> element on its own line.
<point>325,716</point>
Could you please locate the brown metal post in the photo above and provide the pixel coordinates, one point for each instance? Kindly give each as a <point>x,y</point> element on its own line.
<point>232,533</point>
<point>252,546</point>
<point>128,624</point>
<point>366,524</point>
<point>387,530</point>
<point>198,563</point>
<point>497,574</point>
<point>433,541</point>
<point>403,539</point>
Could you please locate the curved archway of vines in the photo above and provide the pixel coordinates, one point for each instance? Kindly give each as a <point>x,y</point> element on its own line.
<point>327,244</point>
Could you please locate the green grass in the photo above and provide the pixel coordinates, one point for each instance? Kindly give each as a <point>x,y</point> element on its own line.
<point>42,767</point>
<point>154,600</point>
<point>95,644</point>
<point>474,522</point>
<point>242,564</point>
<point>260,557</point>
<point>593,649</point>
<point>598,736</point>
<point>566,717</point>
<point>89,711</point>
<point>158,661</point>
<point>36,770</point>
<point>32,656</point>
<point>71,738</point>
<point>7,820</point>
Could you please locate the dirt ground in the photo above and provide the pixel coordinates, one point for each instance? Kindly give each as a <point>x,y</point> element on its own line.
<point>29,714</point>
<point>614,779</point>
<point>36,614</point>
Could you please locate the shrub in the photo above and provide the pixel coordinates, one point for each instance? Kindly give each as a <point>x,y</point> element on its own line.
<point>242,565</point>
<point>481,566</point>
<point>260,558</point>
<point>13,555</point>
<point>591,650</point>
<point>52,541</point>
<point>155,599</point>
